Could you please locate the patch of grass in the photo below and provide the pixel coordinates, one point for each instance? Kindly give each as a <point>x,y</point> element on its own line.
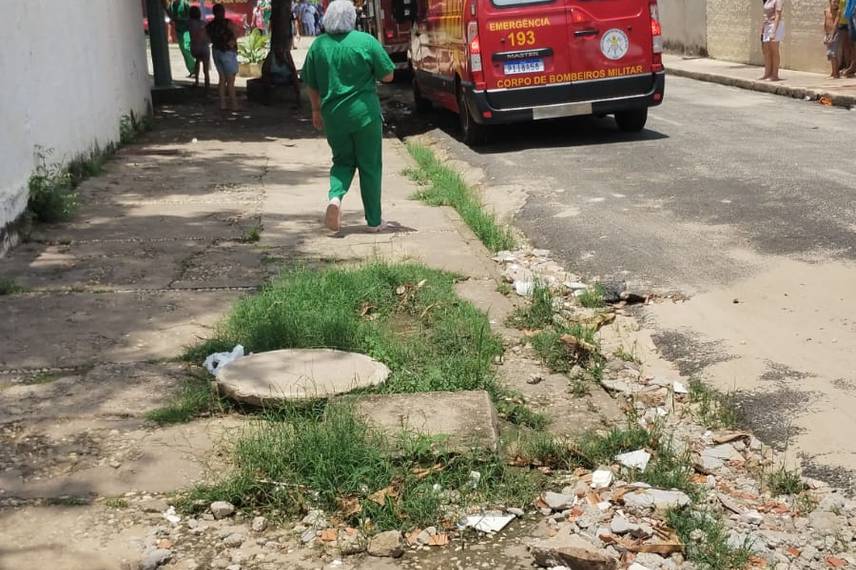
<point>43,378</point>
<point>192,399</point>
<point>9,287</point>
<point>541,448</point>
<point>504,289</point>
<point>115,503</point>
<point>712,409</point>
<point>669,469</point>
<point>706,540</point>
<point>784,481</point>
<point>52,196</point>
<point>405,315</point>
<point>579,384</point>
<point>442,186</point>
<point>131,126</point>
<point>67,501</point>
<point>592,298</point>
<point>252,235</point>
<point>536,314</point>
<point>557,354</point>
<point>805,503</point>
<point>600,448</point>
<point>87,165</point>
<point>338,463</point>
<point>520,414</point>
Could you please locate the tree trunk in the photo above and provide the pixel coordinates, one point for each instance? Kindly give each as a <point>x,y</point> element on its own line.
<point>280,25</point>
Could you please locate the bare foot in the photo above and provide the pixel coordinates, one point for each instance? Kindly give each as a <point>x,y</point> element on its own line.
<point>774,78</point>
<point>765,78</point>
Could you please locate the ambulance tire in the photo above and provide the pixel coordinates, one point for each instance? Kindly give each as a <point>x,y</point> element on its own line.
<point>632,121</point>
<point>472,133</point>
<point>420,103</point>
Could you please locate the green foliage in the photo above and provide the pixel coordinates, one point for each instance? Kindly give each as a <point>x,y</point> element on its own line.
<point>706,540</point>
<point>557,354</point>
<point>536,314</point>
<point>193,398</point>
<point>253,48</point>
<point>252,235</point>
<point>600,448</point>
<point>712,409</point>
<point>592,297</point>
<point>52,194</point>
<point>784,481</point>
<point>115,503</point>
<point>445,187</point>
<point>519,414</point>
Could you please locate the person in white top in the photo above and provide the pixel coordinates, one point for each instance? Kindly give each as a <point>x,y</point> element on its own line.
<point>772,33</point>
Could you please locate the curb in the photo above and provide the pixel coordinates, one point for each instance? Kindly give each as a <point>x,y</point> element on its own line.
<point>838,100</point>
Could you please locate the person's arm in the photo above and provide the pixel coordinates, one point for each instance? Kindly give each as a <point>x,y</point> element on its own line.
<point>384,69</point>
<point>777,18</point>
<point>315,101</point>
<point>312,87</point>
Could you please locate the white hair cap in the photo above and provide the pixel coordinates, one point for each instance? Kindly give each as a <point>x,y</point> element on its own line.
<point>340,17</point>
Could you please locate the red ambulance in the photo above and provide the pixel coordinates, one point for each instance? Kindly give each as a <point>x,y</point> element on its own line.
<point>390,24</point>
<point>506,61</point>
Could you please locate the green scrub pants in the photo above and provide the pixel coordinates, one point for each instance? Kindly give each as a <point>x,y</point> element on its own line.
<point>184,47</point>
<point>361,150</point>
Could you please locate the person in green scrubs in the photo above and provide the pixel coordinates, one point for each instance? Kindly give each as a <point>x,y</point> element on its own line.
<point>179,13</point>
<point>341,71</point>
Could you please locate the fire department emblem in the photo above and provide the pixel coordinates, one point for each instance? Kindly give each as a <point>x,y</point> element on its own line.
<point>614,44</point>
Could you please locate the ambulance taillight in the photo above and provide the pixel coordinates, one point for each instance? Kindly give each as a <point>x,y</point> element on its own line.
<point>474,49</point>
<point>656,37</point>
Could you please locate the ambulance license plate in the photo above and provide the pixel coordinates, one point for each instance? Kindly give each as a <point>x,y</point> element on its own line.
<point>533,65</point>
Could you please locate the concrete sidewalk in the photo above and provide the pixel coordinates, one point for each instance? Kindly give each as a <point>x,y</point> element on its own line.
<point>797,84</point>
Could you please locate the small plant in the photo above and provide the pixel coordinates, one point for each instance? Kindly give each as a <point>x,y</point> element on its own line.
<point>712,409</point>
<point>253,234</point>
<point>132,126</point>
<point>805,503</point>
<point>579,384</point>
<point>520,414</point>
<point>52,195</point>
<point>784,481</point>
<point>504,289</point>
<point>253,49</point>
<point>540,449</point>
<point>592,298</point>
<point>707,540</point>
<point>193,398</point>
<point>596,448</point>
<point>627,356</point>
<point>562,348</point>
<point>86,166</point>
<point>538,313</point>
<point>9,287</point>
<point>115,503</point>
<point>43,378</point>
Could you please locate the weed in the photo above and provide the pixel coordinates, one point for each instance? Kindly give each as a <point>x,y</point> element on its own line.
<point>192,399</point>
<point>627,356</point>
<point>784,481</point>
<point>712,409</point>
<point>86,166</point>
<point>443,186</point>
<point>115,503</point>
<point>67,501</point>
<point>43,378</point>
<point>706,540</point>
<point>541,448</point>
<point>252,235</point>
<point>132,126</point>
<point>805,503</point>
<point>9,287</point>
<point>538,313</point>
<point>52,195</point>
<point>595,448</point>
<point>592,297</point>
<point>579,384</point>
<point>405,315</point>
<point>669,469</point>
<point>504,289</point>
<point>520,414</point>
<point>557,354</point>
<point>337,460</point>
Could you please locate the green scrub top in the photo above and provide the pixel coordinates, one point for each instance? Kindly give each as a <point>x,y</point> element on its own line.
<point>343,68</point>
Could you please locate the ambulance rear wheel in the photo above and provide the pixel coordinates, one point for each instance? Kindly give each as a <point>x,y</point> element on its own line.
<point>472,133</point>
<point>632,121</point>
<point>421,104</point>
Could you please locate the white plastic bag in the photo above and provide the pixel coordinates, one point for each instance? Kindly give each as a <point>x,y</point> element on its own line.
<point>218,360</point>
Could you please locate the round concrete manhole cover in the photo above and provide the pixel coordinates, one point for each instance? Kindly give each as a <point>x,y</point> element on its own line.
<point>298,374</point>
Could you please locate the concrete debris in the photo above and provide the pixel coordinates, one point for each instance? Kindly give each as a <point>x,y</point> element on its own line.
<point>386,545</point>
<point>576,558</point>
<point>679,388</point>
<point>635,459</point>
<point>259,524</point>
<point>524,288</point>
<point>600,479</point>
<point>221,509</point>
<point>487,522</point>
<point>657,499</point>
<point>558,501</point>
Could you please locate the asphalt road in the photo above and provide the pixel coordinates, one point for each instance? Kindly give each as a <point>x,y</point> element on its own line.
<point>744,202</point>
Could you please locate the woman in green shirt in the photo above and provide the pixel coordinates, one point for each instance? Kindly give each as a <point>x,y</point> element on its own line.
<point>179,12</point>
<point>341,71</point>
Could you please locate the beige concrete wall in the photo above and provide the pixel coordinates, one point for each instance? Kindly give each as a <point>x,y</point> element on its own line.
<point>734,32</point>
<point>70,74</point>
<point>684,25</point>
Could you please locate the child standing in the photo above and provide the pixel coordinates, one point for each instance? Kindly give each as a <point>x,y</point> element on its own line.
<point>199,46</point>
<point>832,37</point>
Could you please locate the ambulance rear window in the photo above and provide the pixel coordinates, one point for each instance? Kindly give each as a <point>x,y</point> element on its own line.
<point>503,3</point>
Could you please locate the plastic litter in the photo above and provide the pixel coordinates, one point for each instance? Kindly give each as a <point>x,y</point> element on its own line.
<point>218,360</point>
<point>171,516</point>
<point>524,288</point>
<point>635,459</point>
<point>487,522</point>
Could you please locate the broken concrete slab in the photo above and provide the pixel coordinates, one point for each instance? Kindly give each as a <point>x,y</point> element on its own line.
<point>298,374</point>
<point>658,499</point>
<point>467,420</point>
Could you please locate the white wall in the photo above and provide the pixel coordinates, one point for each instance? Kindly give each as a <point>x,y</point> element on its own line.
<point>70,71</point>
<point>684,25</point>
